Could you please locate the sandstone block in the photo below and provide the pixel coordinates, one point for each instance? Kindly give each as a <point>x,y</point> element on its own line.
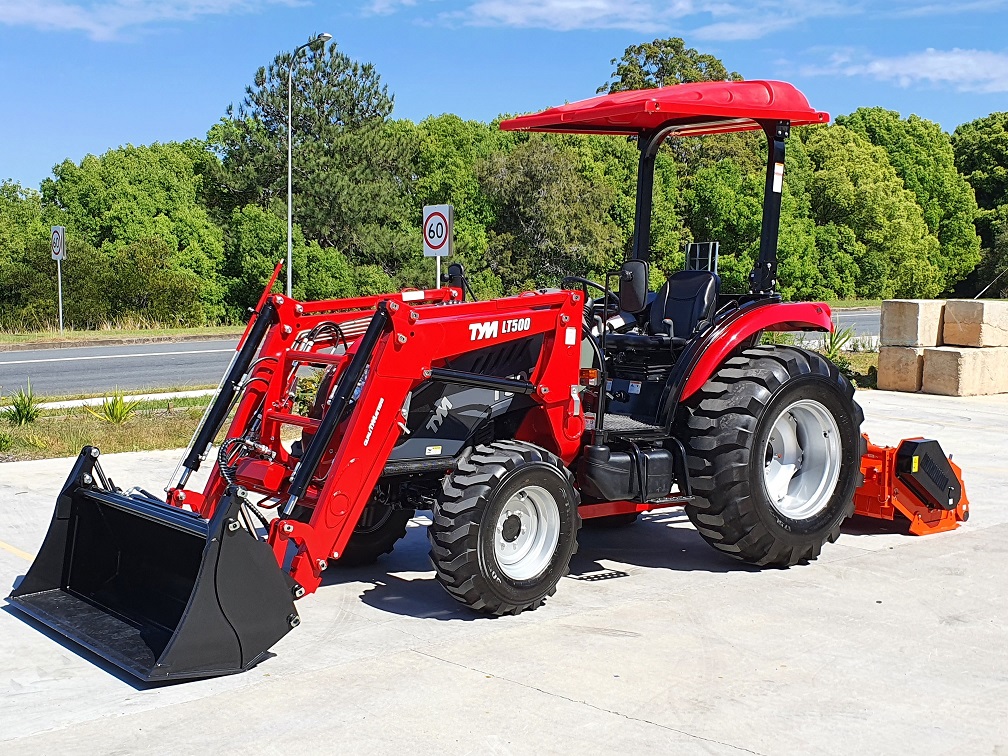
<point>900,368</point>
<point>976,323</point>
<point>912,322</point>
<point>965,371</point>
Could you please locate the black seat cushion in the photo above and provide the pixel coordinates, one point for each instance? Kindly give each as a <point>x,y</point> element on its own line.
<point>688,299</point>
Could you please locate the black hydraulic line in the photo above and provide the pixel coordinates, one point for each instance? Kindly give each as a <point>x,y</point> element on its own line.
<point>461,378</point>
<point>229,389</point>
<point>346,383</point>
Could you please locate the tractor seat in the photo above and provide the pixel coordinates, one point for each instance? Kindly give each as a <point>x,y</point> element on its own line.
<point>688,300</point>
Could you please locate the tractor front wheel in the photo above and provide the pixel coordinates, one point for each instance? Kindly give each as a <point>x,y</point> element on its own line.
<point>504,527</point>
<point>774,449</point>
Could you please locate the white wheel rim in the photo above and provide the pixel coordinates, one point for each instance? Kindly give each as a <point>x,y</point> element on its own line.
<point>527,533</point>
<point>802,460</point>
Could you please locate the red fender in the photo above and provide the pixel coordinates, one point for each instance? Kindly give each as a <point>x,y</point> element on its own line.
<point>784,316</point>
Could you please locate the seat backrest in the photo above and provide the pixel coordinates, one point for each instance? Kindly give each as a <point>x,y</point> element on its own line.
<point>688,299</point>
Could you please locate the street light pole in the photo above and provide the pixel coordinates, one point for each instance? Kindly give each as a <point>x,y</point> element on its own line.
<point>320,39</point>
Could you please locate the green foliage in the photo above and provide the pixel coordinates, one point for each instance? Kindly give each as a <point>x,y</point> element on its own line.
<point>24,407</point>
<point>663,62</point>
<point>548,220</point>
<point>853,184</point>
<point>981,155</point>
<point>188,233</point>
<point>921,153</point>
<point>6,442</point>
<point>115,409</point>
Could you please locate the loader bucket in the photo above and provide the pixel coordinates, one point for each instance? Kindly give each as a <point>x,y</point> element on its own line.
<point>156,590</point>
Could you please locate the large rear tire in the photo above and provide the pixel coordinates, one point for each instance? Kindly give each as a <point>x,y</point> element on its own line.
<point>774,448</point>
<point>504,527</point>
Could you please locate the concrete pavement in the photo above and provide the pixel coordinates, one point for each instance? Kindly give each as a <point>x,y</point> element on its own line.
<point>654,644</point>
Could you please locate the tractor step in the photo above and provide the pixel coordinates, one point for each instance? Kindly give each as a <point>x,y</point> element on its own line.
<point>625,424</point>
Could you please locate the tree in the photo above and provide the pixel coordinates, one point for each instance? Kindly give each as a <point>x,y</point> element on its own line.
<point>853,184</point>
<point>981,155</point>
<point>133,195</point>
<point>549,221</point>
<point>353,168</point>
<point>663,62</point>
<point>922,155</point>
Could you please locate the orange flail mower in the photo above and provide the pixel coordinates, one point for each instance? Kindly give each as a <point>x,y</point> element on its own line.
<point>915,480</point>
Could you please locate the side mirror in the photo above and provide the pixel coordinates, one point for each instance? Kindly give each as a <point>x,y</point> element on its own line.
<point>633,286</point>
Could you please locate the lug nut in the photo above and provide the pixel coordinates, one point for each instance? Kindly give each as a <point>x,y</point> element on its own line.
<point>88,480</point>
<point>298,591</point>
<point>298,309</point>
<point>180,495</point>
<point>293,620</point>
<point>401,338</point>
<point>287,330</point>
<point>279,300</point>
<point>95,452</point>
<point>288,528</point>
<point>233,525</point>
<point>322,564</point>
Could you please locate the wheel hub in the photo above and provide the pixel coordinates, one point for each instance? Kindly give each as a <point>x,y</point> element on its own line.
<point>512,527</point>
<point>527,533</point>
<point>802,460</point>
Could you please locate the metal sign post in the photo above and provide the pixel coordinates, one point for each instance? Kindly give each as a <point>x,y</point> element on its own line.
<point>438,233</point>
<point>58,253</point>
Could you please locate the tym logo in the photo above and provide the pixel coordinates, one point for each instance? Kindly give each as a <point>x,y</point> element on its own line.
<point>480,331</point>
<point>440,413</point>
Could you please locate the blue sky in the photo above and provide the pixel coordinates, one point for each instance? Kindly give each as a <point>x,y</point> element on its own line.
<point>82,76</point>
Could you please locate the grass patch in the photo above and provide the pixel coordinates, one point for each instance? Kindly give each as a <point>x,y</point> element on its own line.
<point>53,336</point>
<point>62,433</point>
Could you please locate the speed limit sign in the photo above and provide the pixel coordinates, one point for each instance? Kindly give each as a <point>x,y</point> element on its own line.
<point>437,230</point>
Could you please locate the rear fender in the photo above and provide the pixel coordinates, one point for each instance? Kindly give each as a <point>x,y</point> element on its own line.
<point>731,332</point>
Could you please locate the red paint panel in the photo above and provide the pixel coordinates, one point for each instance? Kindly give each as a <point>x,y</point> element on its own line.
<point>786,316</point>
<point>704,108</point>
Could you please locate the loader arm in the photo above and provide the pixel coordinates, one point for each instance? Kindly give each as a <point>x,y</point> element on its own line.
<point>385,349</point>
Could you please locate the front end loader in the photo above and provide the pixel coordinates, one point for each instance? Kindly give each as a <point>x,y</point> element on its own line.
<point>510,420</point>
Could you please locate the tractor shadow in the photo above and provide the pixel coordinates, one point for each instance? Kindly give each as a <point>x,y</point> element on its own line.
<point>658,540</point>
<point>403,582</point>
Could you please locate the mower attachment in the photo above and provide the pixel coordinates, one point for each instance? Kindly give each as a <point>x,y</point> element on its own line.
<point>915,480</point>
<point>158,591</point>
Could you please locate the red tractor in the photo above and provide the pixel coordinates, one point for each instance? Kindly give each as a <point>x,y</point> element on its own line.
<point>511,421</point>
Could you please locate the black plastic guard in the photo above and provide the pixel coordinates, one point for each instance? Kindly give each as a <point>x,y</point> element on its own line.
<point>155,590</point>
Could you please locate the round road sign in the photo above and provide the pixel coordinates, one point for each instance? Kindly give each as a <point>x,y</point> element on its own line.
<point>436,230</point>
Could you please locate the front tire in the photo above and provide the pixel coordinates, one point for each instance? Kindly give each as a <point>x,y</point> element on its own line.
<point>504,527</point>
<point>774,449</point>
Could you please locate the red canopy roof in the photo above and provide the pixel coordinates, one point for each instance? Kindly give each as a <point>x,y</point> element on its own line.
<point>708,107</point>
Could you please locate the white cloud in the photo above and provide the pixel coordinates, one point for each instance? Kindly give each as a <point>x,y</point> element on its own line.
<point>386,7</point>
<point>980,71</point>
<point>107,19</point>
<point>564,15</point>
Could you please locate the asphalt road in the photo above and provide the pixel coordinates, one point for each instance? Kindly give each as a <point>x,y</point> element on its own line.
<point>139,367</point>
<point>865,322</point>
<point>63,372</point>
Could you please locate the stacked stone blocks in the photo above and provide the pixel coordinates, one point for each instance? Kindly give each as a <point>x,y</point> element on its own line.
<point>955,347</point>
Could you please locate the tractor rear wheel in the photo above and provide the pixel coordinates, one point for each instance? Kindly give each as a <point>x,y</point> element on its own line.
<point>504,527</point>
<point>774,449</point>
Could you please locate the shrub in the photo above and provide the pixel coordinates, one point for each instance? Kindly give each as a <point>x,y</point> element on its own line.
<point>24,407</point>
<point>115,409</point>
